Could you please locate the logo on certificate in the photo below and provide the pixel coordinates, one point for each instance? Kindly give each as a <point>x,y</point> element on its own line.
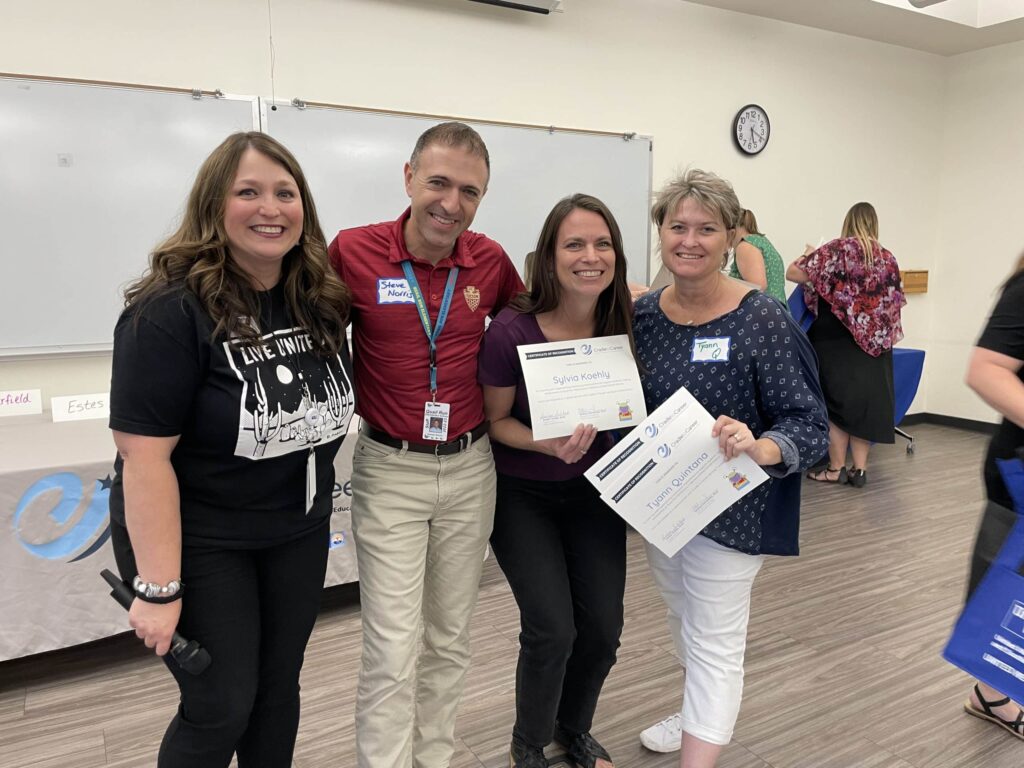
<point>651,430</point>
<point>738,480</point>
<point>664,451</point>
<point>625,412</point>
<point>586,349</point>
<point>472,295</point>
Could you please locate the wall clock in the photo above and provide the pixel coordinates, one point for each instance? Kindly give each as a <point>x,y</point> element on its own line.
<point>751,129</point>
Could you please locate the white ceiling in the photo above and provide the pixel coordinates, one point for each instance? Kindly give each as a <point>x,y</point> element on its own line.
<point>897,21</point>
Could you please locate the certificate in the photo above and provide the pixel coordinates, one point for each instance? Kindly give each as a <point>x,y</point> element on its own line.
<point>669,479</point>
<point>586,381</point>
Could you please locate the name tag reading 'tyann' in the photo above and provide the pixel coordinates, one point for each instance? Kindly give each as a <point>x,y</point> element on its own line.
<point>714,350</point>
<point>393,290</point>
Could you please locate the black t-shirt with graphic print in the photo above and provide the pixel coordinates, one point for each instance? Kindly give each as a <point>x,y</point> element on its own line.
<point>247,415</point>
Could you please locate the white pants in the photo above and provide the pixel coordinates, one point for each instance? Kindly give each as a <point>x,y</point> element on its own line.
<point>707,590</point>
<point>421,525</point>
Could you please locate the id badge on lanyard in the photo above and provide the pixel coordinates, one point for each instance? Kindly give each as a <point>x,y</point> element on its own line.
<point>435,414</point>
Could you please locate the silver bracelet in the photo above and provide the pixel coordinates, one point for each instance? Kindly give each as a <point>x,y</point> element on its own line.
<point>150,591</point>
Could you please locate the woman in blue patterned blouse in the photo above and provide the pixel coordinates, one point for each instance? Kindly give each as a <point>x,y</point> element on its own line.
<point>764,391</point>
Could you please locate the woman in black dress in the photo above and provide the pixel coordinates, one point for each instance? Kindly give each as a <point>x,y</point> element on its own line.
<point>852,285</point>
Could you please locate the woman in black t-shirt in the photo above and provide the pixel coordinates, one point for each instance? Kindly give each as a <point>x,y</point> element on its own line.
<point>996,373</point>
<point>230,396</point>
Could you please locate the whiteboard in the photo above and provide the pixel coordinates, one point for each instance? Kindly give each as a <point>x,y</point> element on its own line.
<point>92,177</point>
<point>353,161</point>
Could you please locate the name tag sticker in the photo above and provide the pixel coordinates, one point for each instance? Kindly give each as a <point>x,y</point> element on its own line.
<point>81,407</point>
<point>715,350</point>
<point>393,290</point>
<point>16,402</point>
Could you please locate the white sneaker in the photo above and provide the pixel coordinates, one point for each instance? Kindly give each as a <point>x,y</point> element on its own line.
<point>666,736</point>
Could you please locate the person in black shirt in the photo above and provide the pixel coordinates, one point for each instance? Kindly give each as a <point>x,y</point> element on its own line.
<point>230,396</point>
<point>996,373</point>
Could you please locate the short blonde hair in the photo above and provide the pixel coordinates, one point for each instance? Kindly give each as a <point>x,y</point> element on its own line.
<point>708,190</point>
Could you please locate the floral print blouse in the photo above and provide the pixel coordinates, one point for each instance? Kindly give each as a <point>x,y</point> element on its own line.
<point>867,299</point>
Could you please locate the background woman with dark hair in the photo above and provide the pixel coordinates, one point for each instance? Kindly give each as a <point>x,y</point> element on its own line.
<point>996,373</point>
<point>229,399</point>
<point>853,287</point>
<point>756,259</point>
<point>561,548</point>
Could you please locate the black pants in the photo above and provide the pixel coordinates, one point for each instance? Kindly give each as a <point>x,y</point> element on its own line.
<point>993,529</point>
<point>253,610</point>
<point>563,552</point>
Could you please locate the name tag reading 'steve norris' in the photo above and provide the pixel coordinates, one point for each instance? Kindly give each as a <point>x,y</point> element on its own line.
<point>393,290</point>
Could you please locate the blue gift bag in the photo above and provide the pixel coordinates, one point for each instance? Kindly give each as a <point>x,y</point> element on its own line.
<point>988,639</point>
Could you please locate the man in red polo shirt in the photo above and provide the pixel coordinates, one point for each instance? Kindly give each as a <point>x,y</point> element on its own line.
<point>422,475</point>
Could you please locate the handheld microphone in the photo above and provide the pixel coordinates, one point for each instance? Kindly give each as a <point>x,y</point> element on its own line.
<point>189,655</point>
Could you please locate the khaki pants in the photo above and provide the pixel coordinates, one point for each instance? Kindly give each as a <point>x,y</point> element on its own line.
<point>421,525</point>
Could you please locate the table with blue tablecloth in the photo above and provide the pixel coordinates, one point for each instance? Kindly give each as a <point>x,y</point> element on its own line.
<point>907,365</point>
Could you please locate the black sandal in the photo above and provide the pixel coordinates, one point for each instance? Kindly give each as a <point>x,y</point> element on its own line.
<point>858,478</point>
<point>522,755</point>
<point>1016,727</point>
<point>821,475</point>
<point>582,748</point>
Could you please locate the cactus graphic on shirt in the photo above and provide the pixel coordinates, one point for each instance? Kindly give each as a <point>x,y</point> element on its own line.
<point>264,427</point>
<point>335,400</point>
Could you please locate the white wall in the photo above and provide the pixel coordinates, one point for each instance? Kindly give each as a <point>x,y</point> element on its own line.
<point>980,215</point>
<point>851,119</point>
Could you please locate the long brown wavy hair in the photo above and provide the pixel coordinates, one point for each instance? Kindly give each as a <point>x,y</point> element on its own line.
<point>614,312</point>
<point>197,256</point>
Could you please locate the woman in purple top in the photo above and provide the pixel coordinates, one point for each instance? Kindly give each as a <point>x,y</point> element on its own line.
<point>561,548</point>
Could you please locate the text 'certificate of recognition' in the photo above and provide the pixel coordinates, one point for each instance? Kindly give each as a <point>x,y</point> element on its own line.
<point>669,479</point>
<point>586,381</point>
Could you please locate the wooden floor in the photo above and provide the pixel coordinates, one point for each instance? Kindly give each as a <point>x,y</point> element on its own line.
<point>843,666</point>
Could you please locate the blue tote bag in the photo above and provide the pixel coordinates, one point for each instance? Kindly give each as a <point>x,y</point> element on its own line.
<point>988,639</point>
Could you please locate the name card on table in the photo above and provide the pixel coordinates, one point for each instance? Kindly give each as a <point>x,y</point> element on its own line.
<point>17,402</point>
<point>80,407</point>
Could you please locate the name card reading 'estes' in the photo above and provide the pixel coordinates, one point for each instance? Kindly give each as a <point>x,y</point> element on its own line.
<point>17,402</point>
<point>80,407</point>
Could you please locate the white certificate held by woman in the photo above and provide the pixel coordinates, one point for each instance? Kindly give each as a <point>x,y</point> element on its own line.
<point>668,479</point>
<point>585,381</point>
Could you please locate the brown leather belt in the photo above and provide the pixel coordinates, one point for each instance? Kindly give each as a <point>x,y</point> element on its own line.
<point>459,444</point>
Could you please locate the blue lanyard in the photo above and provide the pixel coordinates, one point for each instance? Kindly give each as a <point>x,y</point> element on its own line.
<point>442,315</point>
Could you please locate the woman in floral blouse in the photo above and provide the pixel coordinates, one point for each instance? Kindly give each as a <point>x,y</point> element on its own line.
<point>852,285</point>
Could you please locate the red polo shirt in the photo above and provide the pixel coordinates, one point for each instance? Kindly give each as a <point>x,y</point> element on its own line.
<point>391,350</point>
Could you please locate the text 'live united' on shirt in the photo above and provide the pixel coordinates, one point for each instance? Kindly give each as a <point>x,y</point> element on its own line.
<point>247,415</point>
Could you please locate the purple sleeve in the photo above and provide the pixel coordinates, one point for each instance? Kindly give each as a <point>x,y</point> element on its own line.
<point>499,360</point>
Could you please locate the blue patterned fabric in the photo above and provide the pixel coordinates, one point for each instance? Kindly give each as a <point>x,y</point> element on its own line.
<point>769,382</point>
